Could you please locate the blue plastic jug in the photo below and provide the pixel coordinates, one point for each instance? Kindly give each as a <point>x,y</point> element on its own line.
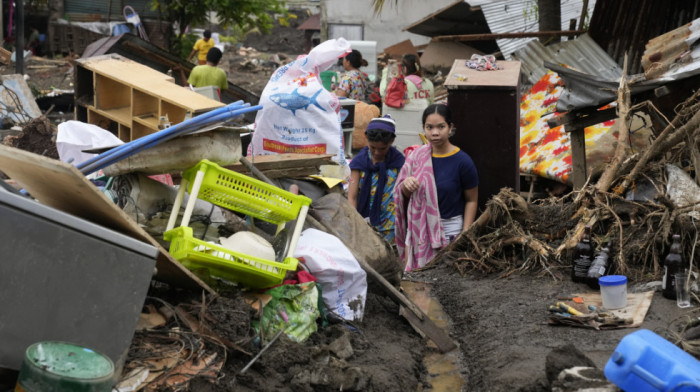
<point>644,361</point>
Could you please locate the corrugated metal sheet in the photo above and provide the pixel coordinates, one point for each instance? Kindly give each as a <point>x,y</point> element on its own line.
<point>581,53</point>
<point>674,53</point>
<point>112,8</point>
<point>621,26</point>
<point>515,16</point>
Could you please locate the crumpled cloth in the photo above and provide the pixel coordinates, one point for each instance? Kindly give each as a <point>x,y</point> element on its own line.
<point>483,63</point>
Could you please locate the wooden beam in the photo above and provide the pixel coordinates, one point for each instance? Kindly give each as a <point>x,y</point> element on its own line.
<point>578,157</point>
<point>575,124</point>
<point>582,119</point>
<point>489,37</point>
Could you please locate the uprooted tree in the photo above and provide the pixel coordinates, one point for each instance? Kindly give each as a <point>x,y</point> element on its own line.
<point>513,235</point>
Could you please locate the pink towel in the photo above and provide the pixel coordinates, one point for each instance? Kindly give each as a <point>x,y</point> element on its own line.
<point>419,234</point>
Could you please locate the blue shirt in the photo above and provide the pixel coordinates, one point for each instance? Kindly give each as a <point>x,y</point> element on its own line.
<point>454,173</point>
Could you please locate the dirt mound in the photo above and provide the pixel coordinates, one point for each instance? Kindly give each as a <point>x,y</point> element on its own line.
<point>282,38</point>
<point>37,136</point>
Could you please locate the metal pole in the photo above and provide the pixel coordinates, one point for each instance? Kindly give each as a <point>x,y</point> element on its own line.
<point>19,38</point>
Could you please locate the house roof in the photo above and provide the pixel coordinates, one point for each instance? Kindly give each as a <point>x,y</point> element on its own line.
<point>673,55</point>
<point>521,16</point>
<point>582,54</point>
<point>459,17</point>
<point>312,23</point>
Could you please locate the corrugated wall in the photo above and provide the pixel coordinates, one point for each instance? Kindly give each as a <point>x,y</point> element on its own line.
<point>515,16</point>
<point>583,54</point>
<point>620,26</point>
<point>115,8</point>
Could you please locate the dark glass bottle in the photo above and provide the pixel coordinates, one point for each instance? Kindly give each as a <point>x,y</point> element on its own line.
<point>599,267</point>
<point>673,264</point>
<point>583,256</point>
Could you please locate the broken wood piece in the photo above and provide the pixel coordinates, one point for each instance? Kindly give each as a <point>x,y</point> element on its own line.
<point>622,149</point>
<point>489,37</point>
<point>284,165</point>
<point>420,320</point>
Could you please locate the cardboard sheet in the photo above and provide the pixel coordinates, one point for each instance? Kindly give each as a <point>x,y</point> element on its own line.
<point>637,306</point>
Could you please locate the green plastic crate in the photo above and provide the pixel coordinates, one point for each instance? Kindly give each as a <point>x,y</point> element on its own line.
<point>221,262</point>
<point>238,192</point>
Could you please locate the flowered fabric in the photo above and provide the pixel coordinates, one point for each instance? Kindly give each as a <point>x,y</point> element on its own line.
<point>546,152</point>
<point>354,85</point>
<point>388,208</point>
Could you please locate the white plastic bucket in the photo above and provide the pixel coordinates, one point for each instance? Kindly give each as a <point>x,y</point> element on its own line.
<point>613,290</point>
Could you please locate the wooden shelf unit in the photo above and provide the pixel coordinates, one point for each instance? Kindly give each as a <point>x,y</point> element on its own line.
<point>128,98</point>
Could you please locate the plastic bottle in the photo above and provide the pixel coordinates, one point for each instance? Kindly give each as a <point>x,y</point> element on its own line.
<point>598,267</point>
<point>673,264</point>
<point>583,256</point>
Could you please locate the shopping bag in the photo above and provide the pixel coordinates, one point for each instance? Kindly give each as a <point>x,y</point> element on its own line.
<point>298,114</point>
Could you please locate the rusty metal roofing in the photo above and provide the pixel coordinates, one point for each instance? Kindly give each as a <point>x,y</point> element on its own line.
<point>674,54</point>
<point>581,53</point>
<point>625,26</point>
<point>515,16</point>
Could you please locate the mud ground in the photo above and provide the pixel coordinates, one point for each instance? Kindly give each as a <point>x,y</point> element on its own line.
<point>500,326</point>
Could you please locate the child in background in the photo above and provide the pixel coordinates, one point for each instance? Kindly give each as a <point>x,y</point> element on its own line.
<point>373,175</point>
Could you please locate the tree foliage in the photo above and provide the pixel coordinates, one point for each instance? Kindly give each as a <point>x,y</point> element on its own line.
<point>378,5</point>
<point>246,14</point>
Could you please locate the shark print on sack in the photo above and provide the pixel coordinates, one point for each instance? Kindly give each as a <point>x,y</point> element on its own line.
<point>295,101</point>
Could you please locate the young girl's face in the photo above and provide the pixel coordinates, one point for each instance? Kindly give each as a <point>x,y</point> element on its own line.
<point>436,129</point>
<point>378,150</point>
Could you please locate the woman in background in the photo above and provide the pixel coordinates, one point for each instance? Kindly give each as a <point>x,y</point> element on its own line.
<point>353,84</point>
<point>436,192</point>
<point>417,86</point>
<point>373,175</point>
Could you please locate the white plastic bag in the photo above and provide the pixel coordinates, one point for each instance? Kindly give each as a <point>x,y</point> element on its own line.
<point>298,114</point>
<point>74,136</point>
<point>343,281</point>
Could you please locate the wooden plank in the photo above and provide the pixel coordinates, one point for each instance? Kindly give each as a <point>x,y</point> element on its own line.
<point>292,165</point>
<point>462,77</point>
<point>524,34</point>
<point>409,310</point>
<point>62,186</point>
<point>578,157</point>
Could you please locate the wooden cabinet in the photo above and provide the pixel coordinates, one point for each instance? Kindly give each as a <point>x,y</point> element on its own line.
<point>128,98</point>
<point>486,112</point>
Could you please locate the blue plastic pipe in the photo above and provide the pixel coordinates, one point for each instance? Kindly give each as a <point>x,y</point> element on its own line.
<point>128,149</point>
<point>195,122</point>
<point>138,145</point>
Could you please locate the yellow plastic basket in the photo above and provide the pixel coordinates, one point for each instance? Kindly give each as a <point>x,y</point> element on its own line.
<point>221,262</point>
<point>238,192</point>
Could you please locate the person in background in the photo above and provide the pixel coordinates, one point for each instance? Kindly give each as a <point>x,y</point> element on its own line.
<point>202,47</point>
<point>417,86</point>
<point>209,74</point>
<point>373,173</point>
<point>436,174</point>
<point>33,41</point>
<point>353,84</point>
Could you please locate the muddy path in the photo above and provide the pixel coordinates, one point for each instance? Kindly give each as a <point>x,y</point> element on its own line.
<point>500,326</point>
